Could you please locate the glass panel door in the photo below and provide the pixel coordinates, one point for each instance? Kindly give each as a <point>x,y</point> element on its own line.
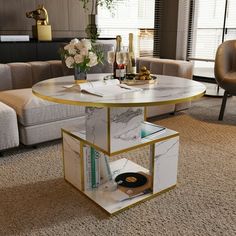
<point>208,32</point>
<point>230,23</point>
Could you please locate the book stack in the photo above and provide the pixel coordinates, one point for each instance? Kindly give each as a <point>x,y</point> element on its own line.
<point>14,38</point>
<point>96,166</point>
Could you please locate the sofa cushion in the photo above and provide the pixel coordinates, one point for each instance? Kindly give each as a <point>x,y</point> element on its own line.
<point>9,136</point>
<point>41,70</point>
<point>21,75</point>
<point>32,110</point>
<point>5,77</point>
<point>169,67</point>
<point>56,68</point>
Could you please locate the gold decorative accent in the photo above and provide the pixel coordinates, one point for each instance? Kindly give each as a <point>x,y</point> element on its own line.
<point>152,149</point>
<point>63,157</point>
<point>82,165</point>
<point>107,104</point>
<point>125,208</point>
<point>41,30</point>
<point>78,81</point>
<point>139,82</point>
<point>123,150</point>
<point>143,200</point>
<point>109,129</point>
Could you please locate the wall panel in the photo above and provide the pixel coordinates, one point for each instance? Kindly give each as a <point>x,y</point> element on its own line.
<point>67,17</point>
<point>12,14</point>
<point>78,17</point>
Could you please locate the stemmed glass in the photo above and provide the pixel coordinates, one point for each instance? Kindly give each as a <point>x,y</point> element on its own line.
<point>120,59</point>
<point>111,58</point>
<point>126,61</point>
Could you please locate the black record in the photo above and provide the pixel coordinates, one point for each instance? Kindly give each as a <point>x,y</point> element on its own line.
<point>131,179</point>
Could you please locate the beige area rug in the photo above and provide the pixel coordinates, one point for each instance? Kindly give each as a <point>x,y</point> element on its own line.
<point>35,199</point>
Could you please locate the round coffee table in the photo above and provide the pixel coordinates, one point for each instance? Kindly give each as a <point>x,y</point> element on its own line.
<point>167,90</point>
<point>114,125</point>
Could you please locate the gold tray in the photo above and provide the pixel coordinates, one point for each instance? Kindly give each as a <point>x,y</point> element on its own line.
<point>134,81</point>
<point>140,82</point>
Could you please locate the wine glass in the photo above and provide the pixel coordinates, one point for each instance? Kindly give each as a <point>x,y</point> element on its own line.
<point>120,61</point>
<point>111,58</point>
<point>125,61</point>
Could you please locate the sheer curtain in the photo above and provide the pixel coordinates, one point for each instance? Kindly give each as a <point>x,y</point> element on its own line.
<point>129,16</point>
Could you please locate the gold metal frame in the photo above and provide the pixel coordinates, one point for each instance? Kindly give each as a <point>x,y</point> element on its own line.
<point>151,143</point>
<point>125,208</point>
<point>107,104</point>
<point>123,150</point>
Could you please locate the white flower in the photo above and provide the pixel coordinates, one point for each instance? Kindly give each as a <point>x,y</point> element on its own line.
<point>69,62</point>
<point>78,45</point>
<point>72,51</point>
<point>74,41</point>
<point>92,59</point>
<point>67,47</point>
<point>70,48</point>
<point>86,44</point>
<point>78,58</point>
<point>84,51</point>
<point>78,52</point>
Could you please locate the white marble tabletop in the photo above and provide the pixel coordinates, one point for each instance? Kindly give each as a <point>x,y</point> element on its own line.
<point>167,90</point>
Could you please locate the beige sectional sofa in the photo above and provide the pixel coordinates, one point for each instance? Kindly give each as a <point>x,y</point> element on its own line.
<point>39,120</point>
<point>169,67</point>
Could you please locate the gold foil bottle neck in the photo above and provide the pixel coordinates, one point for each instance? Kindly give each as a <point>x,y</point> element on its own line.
<point>118,38</point>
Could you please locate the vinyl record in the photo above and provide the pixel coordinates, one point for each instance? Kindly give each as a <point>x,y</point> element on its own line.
<point>131,179</point>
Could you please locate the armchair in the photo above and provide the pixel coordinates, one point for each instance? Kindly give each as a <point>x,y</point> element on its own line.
<point>225,71</point>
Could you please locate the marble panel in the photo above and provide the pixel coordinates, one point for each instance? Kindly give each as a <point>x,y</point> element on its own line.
<point>72,160</point>
<point>165,164</point>
<point>125,127</point>
<point>97,126</point>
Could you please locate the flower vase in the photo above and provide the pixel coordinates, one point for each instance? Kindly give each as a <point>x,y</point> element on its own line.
<point>80,76</point>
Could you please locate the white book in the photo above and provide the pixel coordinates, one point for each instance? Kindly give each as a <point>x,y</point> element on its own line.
<point>97,166</point>
<point>104,88</point>
<point>87,168</point>
<point>14,38</point>
<point>105,170</point>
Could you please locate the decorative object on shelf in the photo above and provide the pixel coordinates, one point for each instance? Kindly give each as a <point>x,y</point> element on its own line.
<point>136,81</point>
<point>81,55</point>
<point>41,30</point>
<point>143,77</point>
<point>144,74</point>
<point>92,30</point>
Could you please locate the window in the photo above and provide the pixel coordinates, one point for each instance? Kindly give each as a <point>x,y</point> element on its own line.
<point>130,16</point>
<point>213,22</point>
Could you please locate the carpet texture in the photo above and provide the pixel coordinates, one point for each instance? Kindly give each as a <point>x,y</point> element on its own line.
<point>35,199</point>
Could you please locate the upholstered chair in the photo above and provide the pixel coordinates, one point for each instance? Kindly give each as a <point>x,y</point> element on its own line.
<point>225,71</point>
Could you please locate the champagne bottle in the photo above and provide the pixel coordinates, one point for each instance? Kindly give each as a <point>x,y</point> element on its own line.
<point>131,67</point>
<point>118,69</point>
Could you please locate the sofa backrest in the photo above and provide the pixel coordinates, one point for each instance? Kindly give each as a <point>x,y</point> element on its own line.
<point>23,75</point>
<point>19,75</point>
<point>169,67</point>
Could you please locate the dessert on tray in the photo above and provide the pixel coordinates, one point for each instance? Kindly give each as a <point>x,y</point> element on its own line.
<point>143,77</point>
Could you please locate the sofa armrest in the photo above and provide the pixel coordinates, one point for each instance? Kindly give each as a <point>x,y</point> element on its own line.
<point>169,67</point>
